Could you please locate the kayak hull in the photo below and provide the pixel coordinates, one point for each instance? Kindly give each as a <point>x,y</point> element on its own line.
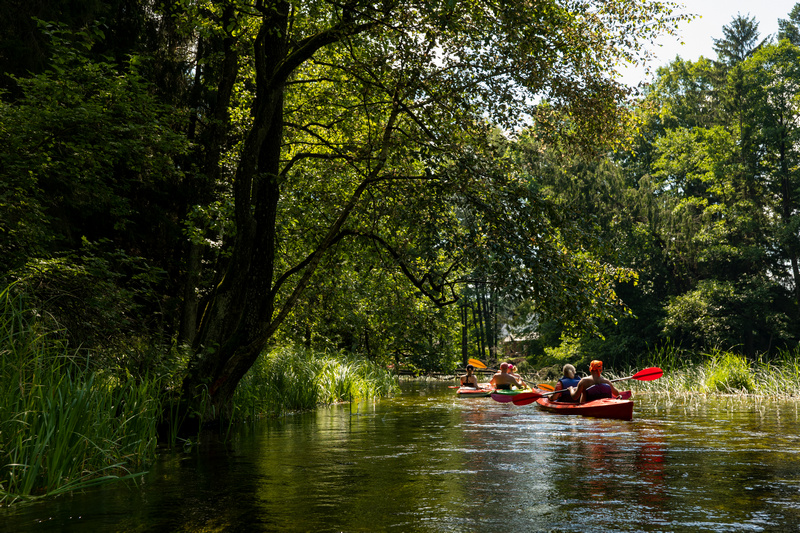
<point>613,408</point>
<point>506,395</point>
<point>472,392</point>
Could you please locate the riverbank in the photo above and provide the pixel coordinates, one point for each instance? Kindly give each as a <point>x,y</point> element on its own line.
<point>69,420</point>
<point>722,372</point>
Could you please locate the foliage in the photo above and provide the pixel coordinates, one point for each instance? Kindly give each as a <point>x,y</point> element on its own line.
<point>729,373</point>
<point>727,314</point>
<point>290,379</point>
<point>88,171</point>
<point>722,372</point>
<point>99,297</point>
<point>365,306</point>
<point>739,41</point>
<point>790,28</point>
<point>63,426</point>
<point>92,141</point>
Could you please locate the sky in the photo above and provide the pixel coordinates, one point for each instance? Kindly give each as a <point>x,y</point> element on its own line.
<point>698,34</point>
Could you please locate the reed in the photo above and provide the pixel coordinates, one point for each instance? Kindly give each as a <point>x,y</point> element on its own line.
<point>292,379</point>
<point>723,372</point>
<point>63,427</point>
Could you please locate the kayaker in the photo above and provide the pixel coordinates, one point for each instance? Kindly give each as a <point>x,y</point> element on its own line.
<point>504,380</point>
<point>567,380</point>
<point>469,379</point>
<point>511,369</point>
<point>593,387</point>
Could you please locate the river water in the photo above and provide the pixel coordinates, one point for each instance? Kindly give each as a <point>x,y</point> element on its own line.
<point>428,461</point>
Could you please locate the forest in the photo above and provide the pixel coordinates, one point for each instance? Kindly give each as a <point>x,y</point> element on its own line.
<point>199,189</point>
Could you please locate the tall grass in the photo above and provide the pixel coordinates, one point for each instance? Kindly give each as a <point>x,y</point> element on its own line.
<point>291,378</point>
<point>63,427</point>
<point>723,372</point>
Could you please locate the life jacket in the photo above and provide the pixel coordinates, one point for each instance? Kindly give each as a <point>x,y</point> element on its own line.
<point>569,382</point>
<point>566,397</point>
<point>598,392</point>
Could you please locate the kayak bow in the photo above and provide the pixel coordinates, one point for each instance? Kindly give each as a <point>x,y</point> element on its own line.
<point>507,395</point>
<point>482,391</point>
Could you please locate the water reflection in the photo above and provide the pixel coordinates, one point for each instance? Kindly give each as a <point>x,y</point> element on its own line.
<point>429,461</point>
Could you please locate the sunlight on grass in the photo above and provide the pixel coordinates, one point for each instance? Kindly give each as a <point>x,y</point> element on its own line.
<point>291,379</point>
<point>722,373</point>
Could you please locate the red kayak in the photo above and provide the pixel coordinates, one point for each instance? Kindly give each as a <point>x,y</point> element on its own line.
<point>620,408</point>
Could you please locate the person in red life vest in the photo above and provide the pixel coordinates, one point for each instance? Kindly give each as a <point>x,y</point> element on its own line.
<point>567,380</point>
<point>595,386</point>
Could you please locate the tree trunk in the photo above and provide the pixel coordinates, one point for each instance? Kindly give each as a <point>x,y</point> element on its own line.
<point>464,334</point>
<point>238,320</point>
<point>787,209</point>
<point>188,325</point>
<point>241,316</point>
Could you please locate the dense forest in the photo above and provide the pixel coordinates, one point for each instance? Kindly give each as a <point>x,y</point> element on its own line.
<point>200,183</point>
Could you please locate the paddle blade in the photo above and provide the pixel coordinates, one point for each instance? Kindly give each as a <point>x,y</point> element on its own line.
<point>545,386</point>
<point>524,398</point>
<point>648,374</point>
<point>476,363</point>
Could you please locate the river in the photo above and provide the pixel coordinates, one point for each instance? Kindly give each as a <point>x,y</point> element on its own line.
<point>427,461</point>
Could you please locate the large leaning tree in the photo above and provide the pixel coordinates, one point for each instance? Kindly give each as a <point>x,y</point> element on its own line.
<point>376,124</point>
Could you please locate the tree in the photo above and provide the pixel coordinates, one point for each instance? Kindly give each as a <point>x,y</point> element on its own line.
<point>739,42</point>
<point>86,207</point>
<point>776,110</point>
<point>717,151</point>
<point>790,28</point>
<point>349,121</point>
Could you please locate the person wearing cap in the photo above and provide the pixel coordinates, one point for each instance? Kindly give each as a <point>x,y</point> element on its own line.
<point>593,387</point>
<point>567,380</point>
<point>511,372</point>
<point>504,380</point>
<point>469,379</point>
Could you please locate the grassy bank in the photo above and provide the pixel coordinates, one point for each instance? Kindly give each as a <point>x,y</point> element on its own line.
<point>722,372</point>
<point>63,427</point>
<point>291,379</point>
<point>70,421</point>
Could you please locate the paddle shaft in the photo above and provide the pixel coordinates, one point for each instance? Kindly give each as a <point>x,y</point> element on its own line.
<point>648,374</point>
<point>526,398</point>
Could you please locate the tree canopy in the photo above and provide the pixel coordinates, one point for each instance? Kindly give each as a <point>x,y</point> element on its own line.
<point>314,135</point>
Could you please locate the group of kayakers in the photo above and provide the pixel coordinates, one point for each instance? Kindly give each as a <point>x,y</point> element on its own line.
<point>504,379</point>
<point>576,390</point>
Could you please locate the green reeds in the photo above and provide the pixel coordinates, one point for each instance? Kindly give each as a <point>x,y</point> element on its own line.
<point>62,427</point>
<point>723,372</point>
<point>291,379</point>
